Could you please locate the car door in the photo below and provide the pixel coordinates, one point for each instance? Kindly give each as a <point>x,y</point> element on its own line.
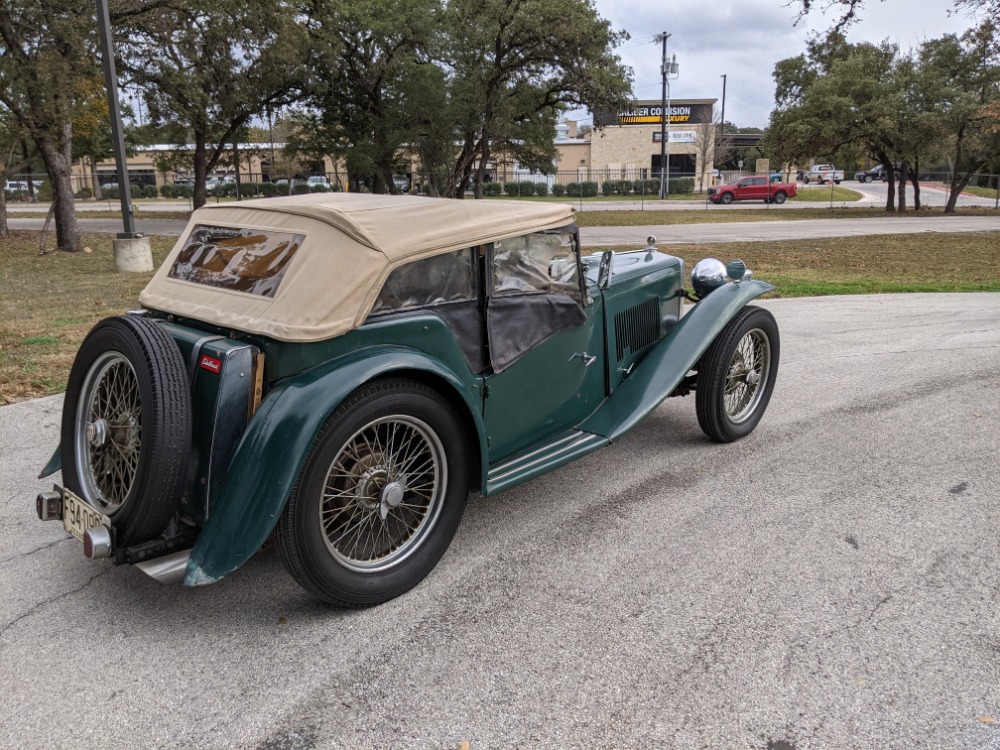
<point>545,340</point>
<point>759,188</point>
<point>742,190</point>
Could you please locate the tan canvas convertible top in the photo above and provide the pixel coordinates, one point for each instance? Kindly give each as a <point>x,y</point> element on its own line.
<point>351,243</point>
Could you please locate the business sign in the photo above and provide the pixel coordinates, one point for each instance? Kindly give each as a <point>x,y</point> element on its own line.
<point>677,136</point>
<point>651,113</point>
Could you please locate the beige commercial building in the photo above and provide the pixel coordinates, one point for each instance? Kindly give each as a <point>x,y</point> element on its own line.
<point>628,146</point>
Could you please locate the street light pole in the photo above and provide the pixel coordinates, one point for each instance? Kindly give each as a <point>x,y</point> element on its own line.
<point>114,109</point>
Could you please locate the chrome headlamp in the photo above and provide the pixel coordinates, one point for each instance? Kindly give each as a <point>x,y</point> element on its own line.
<point>707,276</point>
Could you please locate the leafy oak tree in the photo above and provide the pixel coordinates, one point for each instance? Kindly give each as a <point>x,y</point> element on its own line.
<point>512,66</point>
<point>210,66</point>
<point>459,84</point>
<point>834,98</point>
<point>960,77</point>
<point>45,54</point>
<point>368,55</point>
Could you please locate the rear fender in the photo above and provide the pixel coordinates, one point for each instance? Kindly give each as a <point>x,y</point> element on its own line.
<point>54,464</point>
<point>273,449</point>
<point>666,364</point>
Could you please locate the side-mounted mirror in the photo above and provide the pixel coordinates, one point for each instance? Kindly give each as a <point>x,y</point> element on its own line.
<point>736,270</point>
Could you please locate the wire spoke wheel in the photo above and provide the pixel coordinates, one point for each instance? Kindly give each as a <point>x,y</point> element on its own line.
<point>736,375</point>
<point>108,434</point>
<point>126,426</point>
<point>382,492</point>
<point>748,371</point>
<point>379,497</point>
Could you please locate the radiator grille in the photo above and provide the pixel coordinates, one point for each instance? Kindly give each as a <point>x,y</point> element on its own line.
<point>637,327</point>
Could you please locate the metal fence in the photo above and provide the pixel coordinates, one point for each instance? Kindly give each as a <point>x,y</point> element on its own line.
<point>577,185</point>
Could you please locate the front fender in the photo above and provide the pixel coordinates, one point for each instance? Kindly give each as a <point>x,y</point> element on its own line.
<point>274,447</point>
<point>663,368</point>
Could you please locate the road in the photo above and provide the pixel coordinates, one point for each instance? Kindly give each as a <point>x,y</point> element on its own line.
<point>769,231</point>
<point>774,231</point>
<point>828,582</point>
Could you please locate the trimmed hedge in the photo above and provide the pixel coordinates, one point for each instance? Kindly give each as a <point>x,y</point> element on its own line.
<point>559,190</point>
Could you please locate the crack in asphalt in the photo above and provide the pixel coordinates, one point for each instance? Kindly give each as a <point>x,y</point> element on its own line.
<point>52,599</point>
<point>5,560</point>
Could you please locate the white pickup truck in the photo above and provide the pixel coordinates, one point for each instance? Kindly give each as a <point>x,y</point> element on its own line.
<point>823,173</point>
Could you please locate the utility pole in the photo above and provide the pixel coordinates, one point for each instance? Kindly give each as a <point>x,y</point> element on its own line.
<point>663,113</point>
<point>668,68</point>
<point>722,124</point>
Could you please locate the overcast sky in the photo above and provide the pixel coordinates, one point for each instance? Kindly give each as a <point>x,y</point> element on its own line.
<point>745,38</point>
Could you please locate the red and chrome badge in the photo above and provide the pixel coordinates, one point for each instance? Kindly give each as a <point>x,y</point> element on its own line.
<point>210,363</point>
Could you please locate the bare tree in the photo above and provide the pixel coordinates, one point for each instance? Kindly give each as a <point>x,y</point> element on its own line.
<point>704,148</point>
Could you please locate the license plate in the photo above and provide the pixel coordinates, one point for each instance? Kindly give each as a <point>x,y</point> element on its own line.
<point>78,517</point>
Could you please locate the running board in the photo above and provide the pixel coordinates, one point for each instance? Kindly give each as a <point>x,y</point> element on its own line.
<point>543,459</point>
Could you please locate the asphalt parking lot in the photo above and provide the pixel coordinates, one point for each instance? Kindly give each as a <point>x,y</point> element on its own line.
<point>828,582</point>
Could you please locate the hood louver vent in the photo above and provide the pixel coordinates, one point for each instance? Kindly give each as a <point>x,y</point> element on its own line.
<point>637,327</point>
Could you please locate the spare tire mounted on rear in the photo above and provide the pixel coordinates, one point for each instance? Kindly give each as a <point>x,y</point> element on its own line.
<point>126,426</point>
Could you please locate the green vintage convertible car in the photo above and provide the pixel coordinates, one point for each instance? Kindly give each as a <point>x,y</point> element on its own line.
<point>338,372</point>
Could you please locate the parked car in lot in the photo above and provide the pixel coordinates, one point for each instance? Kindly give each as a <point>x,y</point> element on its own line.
<point>318,181</point>
<point>219,181</point>
<point>338,371</point>
<point>752,188</point>
<point>877,172</point>
<point>823,173</point>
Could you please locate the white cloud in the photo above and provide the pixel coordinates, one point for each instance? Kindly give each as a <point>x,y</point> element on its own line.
<point>745,38</point>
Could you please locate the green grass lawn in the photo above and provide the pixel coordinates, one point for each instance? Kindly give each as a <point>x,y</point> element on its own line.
<point>982,192</point>
<point>820,194</point>
<point>734,213</point>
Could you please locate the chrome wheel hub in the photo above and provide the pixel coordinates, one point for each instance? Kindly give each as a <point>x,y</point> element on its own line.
<point>97,432</point>
<point>383,493</point>
<point>392,496</point>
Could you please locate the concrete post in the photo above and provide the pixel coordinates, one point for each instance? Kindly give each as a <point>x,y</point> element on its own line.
<point>133,255</point>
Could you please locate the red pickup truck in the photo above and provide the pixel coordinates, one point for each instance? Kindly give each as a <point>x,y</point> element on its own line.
<point>758,188</point>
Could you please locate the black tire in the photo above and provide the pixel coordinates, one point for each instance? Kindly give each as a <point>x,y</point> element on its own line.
<point>836,182</point>
<point>752,331</point>
<point>313,551</point>
<point>806,179</point>
<point>780,197</point>
<point>727,198</point>
<point>127,457</point>
<point>867,178</point>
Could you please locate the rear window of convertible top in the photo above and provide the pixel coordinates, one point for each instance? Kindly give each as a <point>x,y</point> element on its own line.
<point>244,260</point>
